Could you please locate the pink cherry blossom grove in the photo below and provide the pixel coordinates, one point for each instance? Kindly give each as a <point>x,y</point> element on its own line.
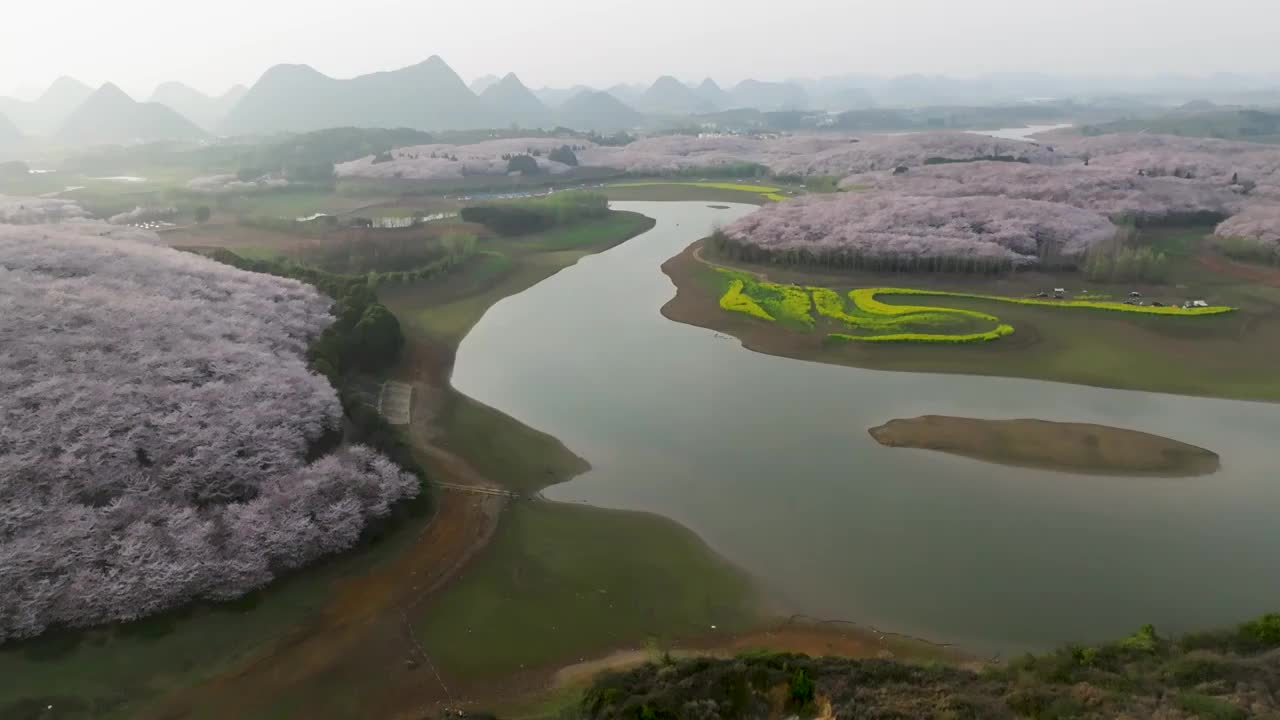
<point>449,162</point>
<point>1259,222</point>
<point>1253,168</point>
<point>810,154</point>
<point>893,231</point>
<point>156,413</point>
<point>30,210</point>
<point>1253,235</point>
<point>1111,191</point>
<point>886,152</point>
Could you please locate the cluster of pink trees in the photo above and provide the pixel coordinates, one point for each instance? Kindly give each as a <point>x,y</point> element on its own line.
<point>1252,168</point>
<point>220,184</point>
<point>1252,235</point>
<point>449,162</point>
<point>1108,190</point>
<point>816,154</point>
<point>19,210</point>
<point>143,214</point>
<point>1261,222</point>
<point>886,152</point>
<point>904,232</point>
<point>672,154</point>
<point>156,412</point>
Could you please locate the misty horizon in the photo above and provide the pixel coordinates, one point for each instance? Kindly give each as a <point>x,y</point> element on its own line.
<point>562,45</point>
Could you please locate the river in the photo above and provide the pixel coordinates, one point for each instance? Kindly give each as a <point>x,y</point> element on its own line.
<point>769,460</point>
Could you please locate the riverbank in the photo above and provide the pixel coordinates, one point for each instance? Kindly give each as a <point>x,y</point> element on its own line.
<point>276,652</point>
<point>484,604</point>
<point>1065,447</point>
<point>1224,356</point>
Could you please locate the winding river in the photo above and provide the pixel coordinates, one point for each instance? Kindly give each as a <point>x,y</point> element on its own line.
<point>769,460</point>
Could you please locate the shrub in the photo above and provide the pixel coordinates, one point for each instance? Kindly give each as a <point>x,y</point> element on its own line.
<point>1210,708</point>
<point>734,301</point>
<point>1264,631</point>
<point>999,332</point>
<point>522,217</point>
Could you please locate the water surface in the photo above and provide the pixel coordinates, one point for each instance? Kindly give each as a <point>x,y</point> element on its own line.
<point>769,460</point>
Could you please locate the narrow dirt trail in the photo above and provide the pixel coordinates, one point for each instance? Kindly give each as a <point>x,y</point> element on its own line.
<point>363,639</point>
<point>1254,273</point>
<point>363,632</point>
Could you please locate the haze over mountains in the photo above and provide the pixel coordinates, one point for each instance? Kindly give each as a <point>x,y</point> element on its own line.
<point>207,112</point>
<point>45,114</point>
<point>109,116</point>
<point>431,96</point>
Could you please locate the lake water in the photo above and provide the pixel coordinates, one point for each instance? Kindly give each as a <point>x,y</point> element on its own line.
<point>1020,133</point>
<point>768,459</point>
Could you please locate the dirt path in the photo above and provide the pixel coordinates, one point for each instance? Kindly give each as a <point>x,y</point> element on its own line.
<point>697,255</point>
<point>363,631</point>
<point>1254,273</point>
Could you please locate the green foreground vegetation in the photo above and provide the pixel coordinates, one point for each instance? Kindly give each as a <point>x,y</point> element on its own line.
<point>884,322</point>
<point>545,557</point>
<point>768,192</point>
<point>563,582</point>
<point>1222,354</point>
<point>1227,675</point>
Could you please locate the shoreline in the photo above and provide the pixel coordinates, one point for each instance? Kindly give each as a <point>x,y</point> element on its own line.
<point>1031,353</point>
<point>368,617</point>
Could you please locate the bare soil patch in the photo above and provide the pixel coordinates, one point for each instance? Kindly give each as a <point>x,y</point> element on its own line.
<point>1068,447</point>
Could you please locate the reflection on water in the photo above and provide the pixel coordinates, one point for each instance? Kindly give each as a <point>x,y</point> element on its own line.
<point>1020,133</point>
<point>770,461</point>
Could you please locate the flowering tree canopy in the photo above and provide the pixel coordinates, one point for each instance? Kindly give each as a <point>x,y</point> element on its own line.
<point>156,415</point>
<point>816,154</point>
<point>218,184</point>
<point>1108,190</point>
<point>447,162</point>
<point>886,152</point>
<point>1253,168</point>
<point>142,215</point>
<point>995,231</point>
<point>31,210</point>
<point>1259,222</point>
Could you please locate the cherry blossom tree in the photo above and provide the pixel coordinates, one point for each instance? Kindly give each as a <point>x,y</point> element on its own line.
<point>447,162</point>
<point>156,418</point>
<point>1252,169</point>
<point>1252,235</point>
<point>18,210</point>
<point>903,232</point>
<point>1108,190</point>
<point>220,184</point>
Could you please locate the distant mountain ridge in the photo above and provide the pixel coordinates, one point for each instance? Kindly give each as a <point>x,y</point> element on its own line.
<point>201,109</point>
<point>669,95</point>
<point>297,98</point>
<point>45,114</point>
<point>595,110</point>
<point>110,116</point>
<point>769,95</point>
<point>10,136</point>
<point>509,100</point>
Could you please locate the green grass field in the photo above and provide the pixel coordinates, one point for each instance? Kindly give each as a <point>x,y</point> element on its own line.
<point>445,311</point>
<point>297,204</point>
<point>115,671</point>
<point>562,582</point>
<point>557,582</point>
<point>768,192</point>
<point>119,671</point>
<point>1226,355</point>
<point>675,190</point>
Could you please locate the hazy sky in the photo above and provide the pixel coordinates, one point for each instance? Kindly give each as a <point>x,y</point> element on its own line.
<point>211,45</point>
